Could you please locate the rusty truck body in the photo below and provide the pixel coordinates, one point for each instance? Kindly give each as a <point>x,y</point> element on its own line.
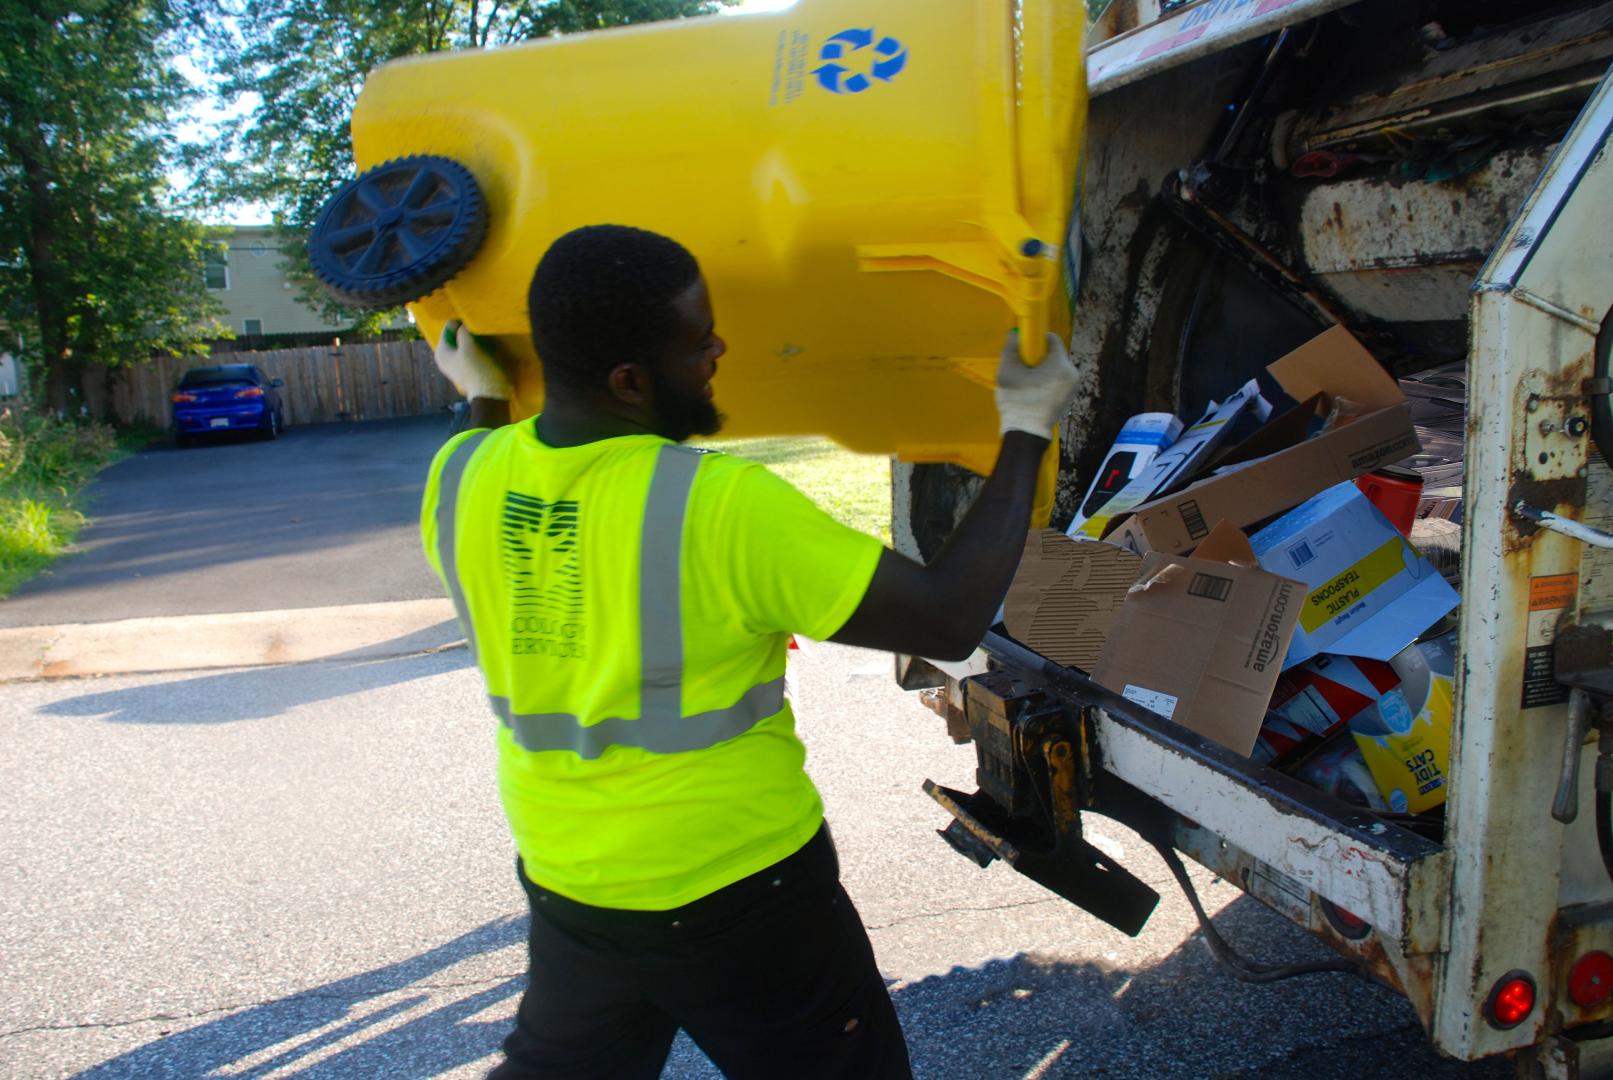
<point>1433,175</point>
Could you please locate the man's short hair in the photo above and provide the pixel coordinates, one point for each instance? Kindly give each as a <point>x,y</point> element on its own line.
<point>602,295</point>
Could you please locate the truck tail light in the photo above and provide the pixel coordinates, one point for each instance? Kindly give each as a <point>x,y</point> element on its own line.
<point>1512,999</point>
<point>1591,981</point>
<point>1346,922</point>
<point>184,397</point>
<point>251,391</point>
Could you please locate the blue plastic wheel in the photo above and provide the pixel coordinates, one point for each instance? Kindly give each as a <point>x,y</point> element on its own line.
<point>398,232</point>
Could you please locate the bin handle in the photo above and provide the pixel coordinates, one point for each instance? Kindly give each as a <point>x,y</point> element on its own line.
<point>1052,81</point>
<point>1051,94</point>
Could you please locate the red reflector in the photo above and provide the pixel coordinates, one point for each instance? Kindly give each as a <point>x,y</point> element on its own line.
<point>1348,923</point>
<point>1591,981</point>
<point>251,391</point>
<point>792,644</point>
<point>184,397</point>
<point>1512,1000</point>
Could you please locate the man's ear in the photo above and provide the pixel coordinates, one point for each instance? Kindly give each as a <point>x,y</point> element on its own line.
<point>629,383</point>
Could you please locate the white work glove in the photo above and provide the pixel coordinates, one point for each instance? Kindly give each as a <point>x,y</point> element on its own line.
<point>468,366</point>
<point>1033,399</point>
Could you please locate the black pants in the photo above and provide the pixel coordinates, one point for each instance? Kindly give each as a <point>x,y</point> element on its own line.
<point>772,977</point>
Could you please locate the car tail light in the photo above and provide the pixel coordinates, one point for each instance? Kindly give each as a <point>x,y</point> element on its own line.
<point>184,397</point>
<point>1512,999</point>
<point>251,391</point>
<point>1591,981</point>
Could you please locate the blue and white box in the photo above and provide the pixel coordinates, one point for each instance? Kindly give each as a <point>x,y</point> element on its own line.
<point>1369,592</point>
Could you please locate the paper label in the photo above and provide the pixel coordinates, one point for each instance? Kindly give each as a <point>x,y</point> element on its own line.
<point>1338,594</point>
<point>1280,892</point>
<point>1152,700</point>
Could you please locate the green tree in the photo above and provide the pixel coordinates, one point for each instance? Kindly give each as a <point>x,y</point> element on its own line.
<point>301,63</point>
<point>98,265</point>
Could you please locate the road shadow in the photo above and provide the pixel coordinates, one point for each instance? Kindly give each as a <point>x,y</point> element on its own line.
<point>310,1022</point>
<point>259,693</point>
<point>1014,1018</point>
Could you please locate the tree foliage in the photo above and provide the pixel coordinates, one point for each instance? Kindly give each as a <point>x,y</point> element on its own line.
<point>98,266</point>
<point>301,63</point>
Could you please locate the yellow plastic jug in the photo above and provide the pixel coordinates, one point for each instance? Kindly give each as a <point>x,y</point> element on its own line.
<point>876,193</point>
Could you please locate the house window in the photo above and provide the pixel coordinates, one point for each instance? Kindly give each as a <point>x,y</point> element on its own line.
<point>252,327</point>
<point>217,269</point>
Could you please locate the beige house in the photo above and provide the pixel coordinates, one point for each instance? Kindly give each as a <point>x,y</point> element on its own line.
<point>257,296</point>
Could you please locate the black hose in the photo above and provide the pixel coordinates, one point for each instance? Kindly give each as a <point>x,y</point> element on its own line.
<point>1236,965</point>
<point>1604,829</point>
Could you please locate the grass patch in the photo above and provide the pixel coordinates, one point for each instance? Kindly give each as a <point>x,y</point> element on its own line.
<point>44,464</point>
<point>854,488</point>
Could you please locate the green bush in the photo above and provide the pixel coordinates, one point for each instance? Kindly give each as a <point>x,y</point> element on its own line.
<point>43,465</point>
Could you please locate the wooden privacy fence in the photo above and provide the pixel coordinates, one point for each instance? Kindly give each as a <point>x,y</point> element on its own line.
<point>370,381</point>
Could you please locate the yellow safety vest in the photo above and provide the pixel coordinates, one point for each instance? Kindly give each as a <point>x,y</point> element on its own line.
<point>628,603</point>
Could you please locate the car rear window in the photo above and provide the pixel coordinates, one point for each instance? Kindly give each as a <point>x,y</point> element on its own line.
<point>211,375</point>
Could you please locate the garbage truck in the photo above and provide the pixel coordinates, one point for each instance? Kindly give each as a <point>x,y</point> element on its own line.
<point>1192,193</point>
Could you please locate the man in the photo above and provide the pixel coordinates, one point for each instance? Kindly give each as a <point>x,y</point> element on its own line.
<point>628,601</point>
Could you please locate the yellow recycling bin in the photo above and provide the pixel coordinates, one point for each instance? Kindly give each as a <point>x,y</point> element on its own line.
<point>876,193</point>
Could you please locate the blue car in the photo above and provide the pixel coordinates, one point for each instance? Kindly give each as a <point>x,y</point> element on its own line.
<point>229,397</point>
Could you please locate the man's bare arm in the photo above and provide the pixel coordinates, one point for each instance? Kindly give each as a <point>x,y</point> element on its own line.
<point>942,610</point>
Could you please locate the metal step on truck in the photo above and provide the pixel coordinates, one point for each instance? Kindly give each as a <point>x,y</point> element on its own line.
<point>1434,176</point>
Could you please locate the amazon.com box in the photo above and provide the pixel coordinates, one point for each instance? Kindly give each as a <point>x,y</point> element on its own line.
<point>1201,640</point>
<point>1281,465</point>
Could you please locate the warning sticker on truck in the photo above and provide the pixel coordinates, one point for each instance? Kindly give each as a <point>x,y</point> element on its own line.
<point>1548,597</point>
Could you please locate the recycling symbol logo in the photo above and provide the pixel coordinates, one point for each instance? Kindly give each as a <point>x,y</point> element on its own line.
<point>890,57</point>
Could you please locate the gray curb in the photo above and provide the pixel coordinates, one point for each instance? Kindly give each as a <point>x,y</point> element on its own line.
<point>238,639</point>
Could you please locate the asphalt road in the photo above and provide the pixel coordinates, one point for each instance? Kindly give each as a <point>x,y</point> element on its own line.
<point>231,526</point>
<point>302,872</point>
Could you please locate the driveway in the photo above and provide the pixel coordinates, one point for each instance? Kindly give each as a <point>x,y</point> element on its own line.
<point>326,515</point>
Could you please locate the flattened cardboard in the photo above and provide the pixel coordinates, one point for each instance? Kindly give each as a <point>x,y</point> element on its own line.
<point>1067,595</point>
<point>1368,591</point>
<point>1335,364</point>
<point>1201,641</point>
<point>1330,366</point>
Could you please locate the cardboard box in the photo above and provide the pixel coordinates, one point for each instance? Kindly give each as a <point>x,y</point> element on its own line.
<point>1281,467</point>
<point>1066,596</point>
<point>1406,738</point>
<point>1368,591</point>
<point>1140,441</point>
<point>1200,640</point>
<point>1316,700</point>
<point>1182,460</point>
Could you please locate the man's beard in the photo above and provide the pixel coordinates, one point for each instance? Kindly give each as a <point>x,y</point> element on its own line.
<point>680,415</point>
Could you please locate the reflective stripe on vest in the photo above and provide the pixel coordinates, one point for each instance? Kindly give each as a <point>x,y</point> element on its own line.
<point>661,728</point>
<point>453,470</point>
